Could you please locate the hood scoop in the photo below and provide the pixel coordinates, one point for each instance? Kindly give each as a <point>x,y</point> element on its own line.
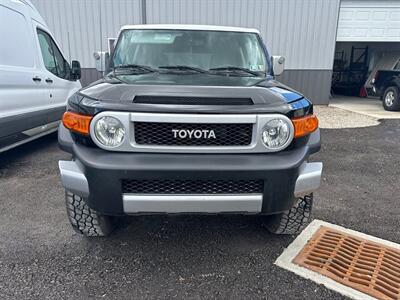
<point>191,100</point>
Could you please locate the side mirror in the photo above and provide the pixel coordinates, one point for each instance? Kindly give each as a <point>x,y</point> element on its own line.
<point>278,63</point>
<point>101,60</point>
<point>76,71</point>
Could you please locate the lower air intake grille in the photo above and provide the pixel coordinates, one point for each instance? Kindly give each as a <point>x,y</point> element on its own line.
<point>192,134</point>
<point>173,186</point>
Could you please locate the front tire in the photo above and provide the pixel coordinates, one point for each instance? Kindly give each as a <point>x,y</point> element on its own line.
<point>391,99</point>
<point>294,220</point>
<point>85,220</point>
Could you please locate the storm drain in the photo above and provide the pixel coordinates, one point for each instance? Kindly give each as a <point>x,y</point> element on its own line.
<point>352,263</point>
<point>369,267</point>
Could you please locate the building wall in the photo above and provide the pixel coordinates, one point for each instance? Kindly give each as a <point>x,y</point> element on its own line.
<point>82,27</point>
<point>304,31</point>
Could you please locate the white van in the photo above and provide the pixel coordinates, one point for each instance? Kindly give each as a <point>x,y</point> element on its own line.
<point>35,78</point>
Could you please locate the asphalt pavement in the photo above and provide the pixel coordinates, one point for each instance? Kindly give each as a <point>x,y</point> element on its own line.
<point>191,257</point>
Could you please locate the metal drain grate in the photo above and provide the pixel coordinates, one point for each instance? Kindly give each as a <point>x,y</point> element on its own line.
<point>369,267</point>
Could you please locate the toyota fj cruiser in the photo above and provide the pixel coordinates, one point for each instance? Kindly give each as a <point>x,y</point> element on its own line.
<point>189,119</point>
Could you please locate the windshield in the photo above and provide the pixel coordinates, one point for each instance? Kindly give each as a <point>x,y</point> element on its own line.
<point>191,48</point>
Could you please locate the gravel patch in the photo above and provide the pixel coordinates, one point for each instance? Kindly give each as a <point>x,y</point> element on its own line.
<point>332,117</point>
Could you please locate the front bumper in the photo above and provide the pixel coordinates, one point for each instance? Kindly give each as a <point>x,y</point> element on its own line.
<point>96,175</point>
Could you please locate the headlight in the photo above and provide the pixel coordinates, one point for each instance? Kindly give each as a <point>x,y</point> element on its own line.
<point>109,131</point>
<point>276,134</point>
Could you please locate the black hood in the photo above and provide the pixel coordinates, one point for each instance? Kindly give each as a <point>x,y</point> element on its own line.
<point>118,93</point>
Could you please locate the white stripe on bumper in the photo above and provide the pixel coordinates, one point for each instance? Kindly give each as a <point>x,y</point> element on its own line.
<point>161,203</point>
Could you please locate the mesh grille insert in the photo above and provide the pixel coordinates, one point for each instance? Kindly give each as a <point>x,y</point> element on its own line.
<point>192,100</point>
<point>369,267</point>
<point>175,186</point>
<point>147,133</point>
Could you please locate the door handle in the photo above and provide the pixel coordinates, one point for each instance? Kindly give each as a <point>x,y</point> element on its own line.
<point>37,78</point>
<point>48,80</point>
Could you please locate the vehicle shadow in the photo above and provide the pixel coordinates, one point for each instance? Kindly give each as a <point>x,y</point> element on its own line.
<point>28,148</point>
<point>21,154</point>
<point>182,237</point>
<point>170,256</point>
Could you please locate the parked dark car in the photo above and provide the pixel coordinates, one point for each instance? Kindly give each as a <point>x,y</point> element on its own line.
<point>386,84</point>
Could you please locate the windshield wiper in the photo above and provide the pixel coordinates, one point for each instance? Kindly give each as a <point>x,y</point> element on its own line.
<point>235,69</point>
<point>184,68</point>
<point>135,67</point>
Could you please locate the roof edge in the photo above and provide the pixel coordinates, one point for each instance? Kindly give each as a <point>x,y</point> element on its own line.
<point>190,27</point>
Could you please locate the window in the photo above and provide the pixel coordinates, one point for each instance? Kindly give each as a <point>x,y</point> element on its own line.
<point>15,39</point>
<point>52,57</point>
<point>196,48</point>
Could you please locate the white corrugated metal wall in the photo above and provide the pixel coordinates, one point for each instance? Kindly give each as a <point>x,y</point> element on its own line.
<point>304,31</point>
<point>81,27</point>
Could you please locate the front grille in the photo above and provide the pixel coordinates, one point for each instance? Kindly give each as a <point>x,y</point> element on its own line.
<point>179,186</point>
<point>191,100</point>
<point>147,133</point>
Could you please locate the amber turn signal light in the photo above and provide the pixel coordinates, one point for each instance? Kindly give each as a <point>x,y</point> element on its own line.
<point>304,125</point>
<point>76,122</point>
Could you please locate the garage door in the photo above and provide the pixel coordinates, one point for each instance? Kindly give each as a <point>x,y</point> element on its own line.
<point>367,20</point>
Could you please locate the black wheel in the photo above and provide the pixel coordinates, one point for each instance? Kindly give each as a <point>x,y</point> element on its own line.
<point>294,220</point>
<point>85,220</point>
<point>391,99</point>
